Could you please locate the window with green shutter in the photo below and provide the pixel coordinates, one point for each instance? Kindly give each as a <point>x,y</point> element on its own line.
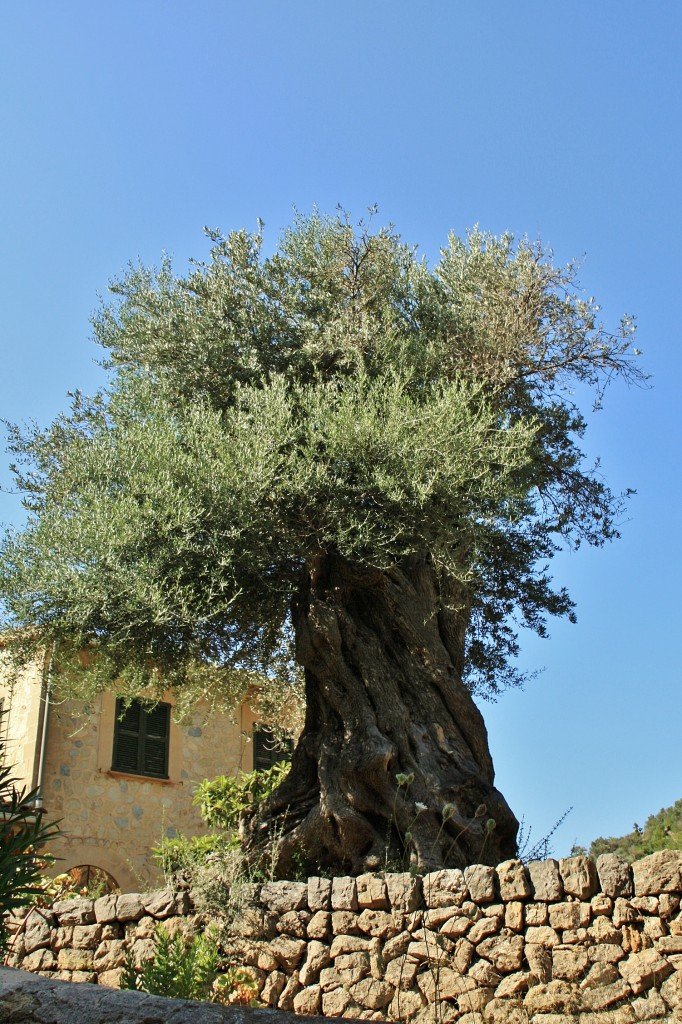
<point>267,750</point>
<point>141,739</point>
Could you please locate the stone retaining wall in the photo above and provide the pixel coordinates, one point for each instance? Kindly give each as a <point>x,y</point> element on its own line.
<point>553,942</point>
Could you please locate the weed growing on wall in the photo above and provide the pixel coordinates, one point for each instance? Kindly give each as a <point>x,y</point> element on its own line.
<point>178,969</point>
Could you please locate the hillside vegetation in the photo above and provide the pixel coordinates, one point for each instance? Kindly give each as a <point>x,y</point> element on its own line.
<point>663,831</point>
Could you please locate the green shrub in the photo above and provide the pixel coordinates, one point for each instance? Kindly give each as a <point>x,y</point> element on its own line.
<point>182,852</point>
<point>179,969</point>
<point>223,801</point>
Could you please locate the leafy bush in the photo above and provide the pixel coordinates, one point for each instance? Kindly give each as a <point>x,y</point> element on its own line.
<point>183,852</point>
<point>179,969</point>
<point>23,832</point>
<point>223,801</point>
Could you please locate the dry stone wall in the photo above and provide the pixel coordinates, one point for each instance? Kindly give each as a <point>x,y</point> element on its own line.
<point>557,942</point>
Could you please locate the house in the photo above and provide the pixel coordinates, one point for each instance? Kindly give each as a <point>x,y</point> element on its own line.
<point>119,778</point>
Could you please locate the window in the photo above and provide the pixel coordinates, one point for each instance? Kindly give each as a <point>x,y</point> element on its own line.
<point>141,739</point>
<point>267,750</point>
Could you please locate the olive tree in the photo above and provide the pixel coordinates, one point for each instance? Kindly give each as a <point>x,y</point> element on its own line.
<point>338,464</point>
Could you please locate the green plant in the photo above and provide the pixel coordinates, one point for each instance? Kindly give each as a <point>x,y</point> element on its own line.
<point>184,852</point>
<point>23,832</point>
<point>179,969</point>
<point>223,801</point>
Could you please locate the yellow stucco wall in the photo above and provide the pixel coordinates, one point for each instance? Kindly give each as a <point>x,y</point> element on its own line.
<point>109,819</point>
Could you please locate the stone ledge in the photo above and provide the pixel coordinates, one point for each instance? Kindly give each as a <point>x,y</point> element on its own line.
<point>29,999</point>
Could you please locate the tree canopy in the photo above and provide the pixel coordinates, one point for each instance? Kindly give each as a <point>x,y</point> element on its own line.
<point>337,394</point>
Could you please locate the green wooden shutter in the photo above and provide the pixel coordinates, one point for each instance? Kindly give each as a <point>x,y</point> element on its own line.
<point>141,736</point>
<point>155,751</point>
<point>268,751</point>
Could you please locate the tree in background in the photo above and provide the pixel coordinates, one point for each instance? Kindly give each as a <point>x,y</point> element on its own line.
<point>663,831</point>
<point>333,461</point>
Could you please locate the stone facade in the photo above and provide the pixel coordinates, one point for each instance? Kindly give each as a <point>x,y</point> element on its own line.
<point>552,942</point>
<point>110,820</point>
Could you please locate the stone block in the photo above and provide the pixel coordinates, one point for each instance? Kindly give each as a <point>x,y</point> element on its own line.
<point>344,894</point>
<point>307,1002</point>
<point>287,951</point>
<point>349,944</point>
<point>159,904</point>
<point>657,873</point>
<point>513,916</point>
<point>372,994</point>
<point>371,892</point>
<point>75,960</point>
<point>111,979</point>
<point>536,914</point>
<point>513,881</point>
<point>444,888</point>
<point>480,881</point>
<point>579,876</point>
<point>40,960</point>
<point>545,880</point>
<point>320,925</point>
<point>643,970</point>
<point>570,915</point>
<point>109,955</point>
<point>105,909</point>
<point>404,891</point>
<point>293,923</point>
<point>273,987</point>
<point>283,896</point>
<point>38,931</point>
<point>570,964</point>
<point>505,953</point>
<point>335,1002</point>
<point>552,997</point>
<point>345,922</point>
<point>543,935</point>
<point>318,956</point>
<point>615,876</point>
<point>482,929</point>
<point>377,923</point>
<point>129,906</point>
<point>77,911</point>
<point>319,894</point>
<point>86,936</point>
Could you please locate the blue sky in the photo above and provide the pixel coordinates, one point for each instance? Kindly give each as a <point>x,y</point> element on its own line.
<point>126,128</point>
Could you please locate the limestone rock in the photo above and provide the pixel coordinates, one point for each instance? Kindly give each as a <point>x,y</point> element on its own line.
<point>542,935</point>
<point>77,911</point>
<point>657,873</point>
<point>273,987</point>
<point>603,996</point>
<point>38,932</point>
<point>480,881</point>
<point>335,1003</point>
<point>344,922</point>
<point>40,960</point>
<point>372,994</point>
<point>86,936</point>
<point>405,1004</point>
<point>579,876</point>
<point>288,951</point>
<point>377,923</point>
<point>513,916</point>
<point>536,914</point>
<point>444,888</point>
<point>642,970</point>
<point>349,944</point>
<point>75,960</point>
<point>371,892</point>
<point>615,876</point>
<point>554,997</point>
<point>105,909</point>
<point>513,881</point>
<point>344,894</point>
<point>545,880</point>
<point>404,891</point>
<point>292,923</point>
<point>284,896</point>
<point>308,1000</point>
<point>514,985</point>
<point>504,953</point>
<point>569,964</point>
<point>318,956</point>
<point>128,907</point>
<point>570,915</point>
<point>109,955</point>
<point>320,925</point>
<point>161,903</point>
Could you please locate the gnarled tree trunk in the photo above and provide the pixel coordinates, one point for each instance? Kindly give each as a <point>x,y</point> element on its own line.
<point>392,767</point>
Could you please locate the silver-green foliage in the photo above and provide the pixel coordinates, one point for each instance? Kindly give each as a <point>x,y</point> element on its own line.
<point>338,394</point>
